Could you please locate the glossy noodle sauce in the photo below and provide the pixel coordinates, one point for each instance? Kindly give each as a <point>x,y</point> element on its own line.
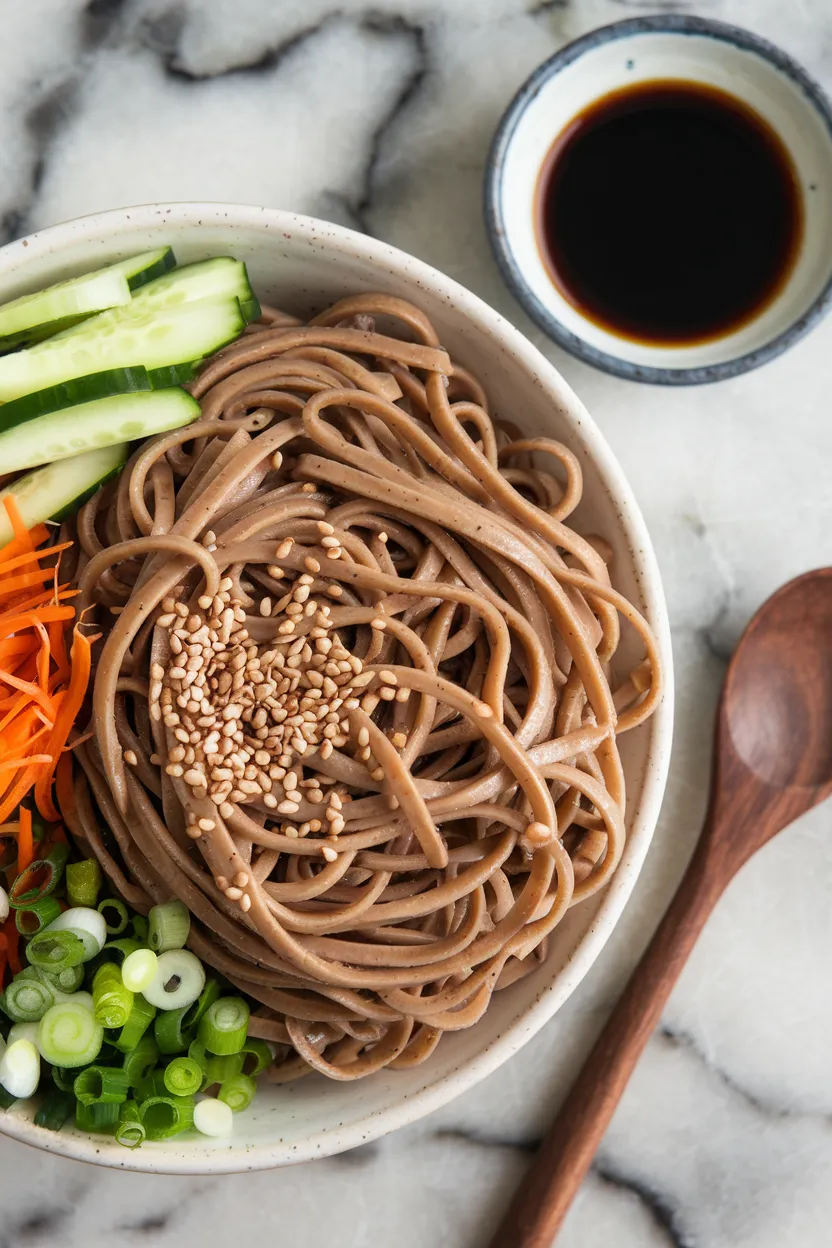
<point>669,212</point>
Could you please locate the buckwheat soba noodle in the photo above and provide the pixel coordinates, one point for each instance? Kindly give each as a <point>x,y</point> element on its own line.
<point>352,703</point>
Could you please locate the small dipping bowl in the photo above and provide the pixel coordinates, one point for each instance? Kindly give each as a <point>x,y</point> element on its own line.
<point>643,50</point>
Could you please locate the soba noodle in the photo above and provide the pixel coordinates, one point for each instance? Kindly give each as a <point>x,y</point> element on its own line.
<point>353,700</point>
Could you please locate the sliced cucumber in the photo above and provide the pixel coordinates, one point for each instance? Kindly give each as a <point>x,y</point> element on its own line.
<point>48,310</point>
<point>82,390</point>
<point>146,266</point>
<point>215,280</point>
<point>120,418</point>
<point>50,492</point>
<point>157,338</point>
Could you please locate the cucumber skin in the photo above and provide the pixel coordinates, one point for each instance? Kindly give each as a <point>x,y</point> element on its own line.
<point>94,386</point>
<point>165,262</point>
<point>71,508</point>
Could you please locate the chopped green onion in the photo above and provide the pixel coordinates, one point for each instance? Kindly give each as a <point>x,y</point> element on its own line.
<point>83,882</point>
<point>20,1069</point>
<point>183,1076</point>
<point>140,928</point>
<point>216,1069</point>
<point>237,1092</point>
<point>101,1117</point>
<point>6,1099</point>
<point>138,969</point>
<point>117,923</point>
<point>207,997</point>
<point>23,1031</point>
<point>213,1117</point>
<point>27,998</point>
<point>88,925</point>
<point>101,1084</point>
<point>119,951</point>
<point>64,1080</point>
<point>166,1116</point>
<point>141,1016</point>
<point>169,1032</point>
<point>37,916</point>
<point>139,1063</point>
<point>85,999</point>
<point>224,1026</point>
<point>55,1110</point>
<point>178,981</point>
<point>55,951</point>
<point>259,1051</point>
<point>152,1085</point>
<point>169,926</point>
<point>111,1000</point>
<point>68,980</point>
<point>69,1035</point>
<point>39,879</point>
<point>130,1130</point>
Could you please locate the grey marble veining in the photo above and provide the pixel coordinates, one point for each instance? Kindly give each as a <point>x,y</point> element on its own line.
<point>379,116</point>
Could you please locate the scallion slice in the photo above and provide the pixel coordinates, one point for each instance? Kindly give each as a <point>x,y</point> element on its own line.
<point>64,1080</point>
<point>112,1002</point>
<point>130,1131</point>
<point>237,1092</point>
<point>119,950</point>
<point>169,926</point>
<point>55,1110</point>
<point>6,1099</point>
<point>140,1061</point>
<point>207,997</point>
<point>213,1117</point>
<point>140,928</point>
<point>141,1016</point>
<point>68,980</point>
<point>69,1035</point>
<point>55,951</point>
<point>28,997</point>
<point>101,1118</point>
<point>115,915</point>
<point>37,916</point>
<point>139,969</point>
<point>98,1085</point>
<point>183,1076</point>
<point>20,1069</point>
<point>39,879</point>
<point>87,924</point>
<point>83,883</point>
<point>166,1116</point>
<point>178,981</point>
<point>168,1028</point>
<point>257,1055</point>
<point>224,1026</point>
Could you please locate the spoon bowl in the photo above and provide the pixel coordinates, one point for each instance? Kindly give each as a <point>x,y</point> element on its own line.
<point>777,703</point>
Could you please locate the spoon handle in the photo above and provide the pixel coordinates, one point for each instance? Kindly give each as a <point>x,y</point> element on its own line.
<point>545,1195</point>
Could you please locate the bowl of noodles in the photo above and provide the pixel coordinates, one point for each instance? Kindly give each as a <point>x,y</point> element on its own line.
<point>407,579</point>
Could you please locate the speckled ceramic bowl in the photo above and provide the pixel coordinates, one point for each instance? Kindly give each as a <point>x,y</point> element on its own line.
<point>302,264</point>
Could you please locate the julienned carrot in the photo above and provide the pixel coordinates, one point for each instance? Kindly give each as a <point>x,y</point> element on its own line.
<point>81,661</point>
<point>25,840</point>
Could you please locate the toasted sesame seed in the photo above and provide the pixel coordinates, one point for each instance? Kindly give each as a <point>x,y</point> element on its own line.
<point>130,758</point>
<point>378,623</point>
<point>312,564</point>
<point>245,903</point>
<point>233,894</point>
<point>241,879</point>
<point>221,883</point>
<point>330,854</point>
<point>388,678</point>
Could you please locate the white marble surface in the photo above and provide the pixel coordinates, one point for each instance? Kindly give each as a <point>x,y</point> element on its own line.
<point>379,115</point>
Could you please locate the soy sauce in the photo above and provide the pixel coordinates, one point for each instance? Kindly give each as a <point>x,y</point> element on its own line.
<point>669,212</point>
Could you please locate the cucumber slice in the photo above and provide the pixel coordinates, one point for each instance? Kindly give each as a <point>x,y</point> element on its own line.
<point>215,280</point>
<point>156,339</point>
<point>48,310</point>
<point>88,389</point>
<point>50,492</point>
<point>146,266</point>
<point>120,418</point>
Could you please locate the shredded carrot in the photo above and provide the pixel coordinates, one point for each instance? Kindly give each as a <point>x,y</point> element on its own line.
<point>42,688</point>
<point>25,840</point>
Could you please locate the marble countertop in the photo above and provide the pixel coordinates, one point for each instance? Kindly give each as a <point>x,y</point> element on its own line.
<point>379,115</point>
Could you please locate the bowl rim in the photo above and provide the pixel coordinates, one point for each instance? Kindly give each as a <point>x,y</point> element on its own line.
<point>168,1159</point>
<point>678,24</point>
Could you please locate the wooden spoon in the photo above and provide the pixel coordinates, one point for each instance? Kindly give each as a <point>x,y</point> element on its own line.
<point>772,763</point>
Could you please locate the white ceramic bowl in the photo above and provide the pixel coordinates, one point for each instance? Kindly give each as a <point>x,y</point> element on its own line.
<point>303,264</point>
<point>645,49</point>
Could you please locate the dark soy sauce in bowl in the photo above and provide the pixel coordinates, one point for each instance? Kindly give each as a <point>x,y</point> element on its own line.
<point>669,212</point>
